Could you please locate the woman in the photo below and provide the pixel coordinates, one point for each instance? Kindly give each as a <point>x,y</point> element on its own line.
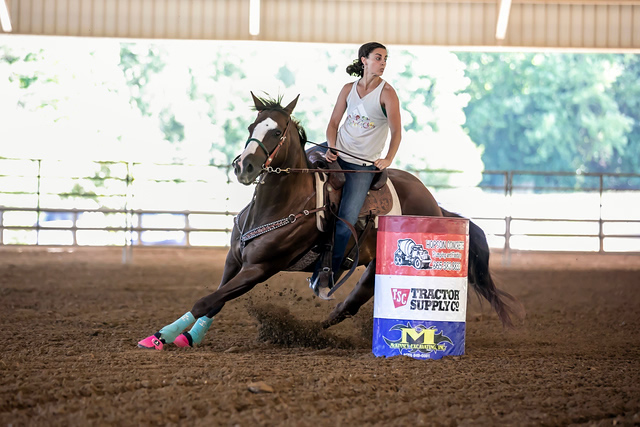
<point>373,110</point>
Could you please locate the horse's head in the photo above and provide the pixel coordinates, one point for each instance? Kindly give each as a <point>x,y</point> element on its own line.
<point>267,135</point>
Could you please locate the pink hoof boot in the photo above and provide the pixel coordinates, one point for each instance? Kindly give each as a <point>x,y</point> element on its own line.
<point>182,341</point>
<point>151,343</point>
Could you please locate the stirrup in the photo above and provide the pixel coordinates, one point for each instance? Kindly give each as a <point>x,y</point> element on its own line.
<point>322,284</point>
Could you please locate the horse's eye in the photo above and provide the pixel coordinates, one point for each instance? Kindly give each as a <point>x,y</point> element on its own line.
<point>277,133</point>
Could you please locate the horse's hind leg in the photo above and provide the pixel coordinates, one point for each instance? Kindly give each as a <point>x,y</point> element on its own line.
<point>362,292</point>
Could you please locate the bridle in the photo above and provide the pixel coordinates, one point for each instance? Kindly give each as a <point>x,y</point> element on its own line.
<point>272,155</point>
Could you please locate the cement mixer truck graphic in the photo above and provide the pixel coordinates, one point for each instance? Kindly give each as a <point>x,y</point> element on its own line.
<point>410,253</point>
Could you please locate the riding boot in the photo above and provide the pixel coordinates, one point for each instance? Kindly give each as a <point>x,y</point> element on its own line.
<point>322,280</point>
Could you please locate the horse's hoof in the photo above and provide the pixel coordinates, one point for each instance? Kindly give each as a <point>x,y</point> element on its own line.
<point>183,340</point>
<point>151,343</point>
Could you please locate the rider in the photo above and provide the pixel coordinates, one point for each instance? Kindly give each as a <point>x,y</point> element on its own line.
<point>373,110</point>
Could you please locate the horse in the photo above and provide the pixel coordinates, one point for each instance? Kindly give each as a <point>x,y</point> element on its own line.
<point>280,215</point>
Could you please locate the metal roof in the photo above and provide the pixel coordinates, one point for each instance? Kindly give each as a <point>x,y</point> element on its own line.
<point>470,24</point>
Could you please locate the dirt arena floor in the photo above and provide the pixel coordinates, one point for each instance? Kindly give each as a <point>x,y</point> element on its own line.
<point>71,320</point>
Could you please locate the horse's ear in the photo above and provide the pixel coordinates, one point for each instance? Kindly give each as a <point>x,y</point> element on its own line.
<point>258,104</point>
<point>289,108</point>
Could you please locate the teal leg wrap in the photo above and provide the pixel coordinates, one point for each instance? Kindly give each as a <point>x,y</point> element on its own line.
<point>200,328</point>
<point>170,332</point>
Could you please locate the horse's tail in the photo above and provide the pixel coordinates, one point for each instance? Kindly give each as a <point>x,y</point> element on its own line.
<point>506,305</point>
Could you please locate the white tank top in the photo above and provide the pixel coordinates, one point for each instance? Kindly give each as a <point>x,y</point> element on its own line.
<point>365,130</point>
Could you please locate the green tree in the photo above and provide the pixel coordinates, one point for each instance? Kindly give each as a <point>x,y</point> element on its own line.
<point>626,90</point>
<point>218,85</point>
<point>286,76</point>
<point>67,99</point>
<point>430,84</point>
<point>545,112</point>
<point>139,63</point>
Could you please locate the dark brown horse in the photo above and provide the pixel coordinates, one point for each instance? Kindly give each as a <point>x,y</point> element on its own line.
<point>284,229</point>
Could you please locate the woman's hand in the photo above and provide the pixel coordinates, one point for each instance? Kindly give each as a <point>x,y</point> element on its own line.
<point>331,155</point>
<point>382,163</point>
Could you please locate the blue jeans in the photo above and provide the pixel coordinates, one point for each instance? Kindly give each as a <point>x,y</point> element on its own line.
<point>354,193</point>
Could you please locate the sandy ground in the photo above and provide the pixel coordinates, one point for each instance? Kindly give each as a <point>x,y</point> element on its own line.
<point>71,320</point>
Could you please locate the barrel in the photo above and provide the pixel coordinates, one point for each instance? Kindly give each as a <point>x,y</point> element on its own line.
<point>420,301</point>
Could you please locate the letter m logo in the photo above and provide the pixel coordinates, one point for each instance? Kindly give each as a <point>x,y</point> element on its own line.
<point>413,336</point>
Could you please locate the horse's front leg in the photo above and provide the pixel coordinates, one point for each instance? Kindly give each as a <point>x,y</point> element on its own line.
<point>203,311</point>
<point>361,293</point>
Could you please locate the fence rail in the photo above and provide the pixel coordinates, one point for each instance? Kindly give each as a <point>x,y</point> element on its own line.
<point>45,202</point>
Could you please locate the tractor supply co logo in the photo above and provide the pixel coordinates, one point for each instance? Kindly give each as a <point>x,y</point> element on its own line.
<point>418,339</point>
<point>410,253</point>
<point>427,299</point>
<point>400,296</point>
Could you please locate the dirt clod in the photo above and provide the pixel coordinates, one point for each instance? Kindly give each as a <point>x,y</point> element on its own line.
<point>259,387</point>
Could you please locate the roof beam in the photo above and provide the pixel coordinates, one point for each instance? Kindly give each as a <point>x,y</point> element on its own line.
<point>503,19</point>
<point>5,19</point>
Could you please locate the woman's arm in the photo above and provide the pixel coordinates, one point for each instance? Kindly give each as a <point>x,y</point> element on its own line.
<point>334,121</point>
<point>389,100</point>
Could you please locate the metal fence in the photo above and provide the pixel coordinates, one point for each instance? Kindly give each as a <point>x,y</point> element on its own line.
<point>46,202</point>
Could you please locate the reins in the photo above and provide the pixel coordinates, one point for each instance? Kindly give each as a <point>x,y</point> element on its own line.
<point>341,151</point>
<point>312,170</point>
<point>270,169</point>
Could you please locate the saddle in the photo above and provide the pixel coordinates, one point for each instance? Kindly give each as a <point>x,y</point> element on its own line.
<point>329,185</point>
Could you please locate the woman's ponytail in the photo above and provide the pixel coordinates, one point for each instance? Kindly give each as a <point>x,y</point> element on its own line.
<point>356,68</point>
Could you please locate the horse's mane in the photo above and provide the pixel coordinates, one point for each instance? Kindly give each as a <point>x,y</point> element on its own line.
<point>271,104</point>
